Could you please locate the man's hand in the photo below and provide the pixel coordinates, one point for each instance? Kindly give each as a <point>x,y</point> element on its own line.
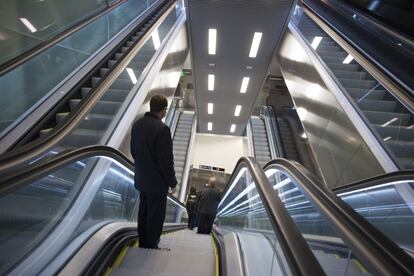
<point>172,190</point>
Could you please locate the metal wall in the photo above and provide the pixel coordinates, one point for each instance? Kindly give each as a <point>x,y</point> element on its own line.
<point>341,152</point>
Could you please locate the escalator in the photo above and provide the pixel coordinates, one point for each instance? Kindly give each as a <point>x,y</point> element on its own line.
<point>75,214</point>
<point>96,112</point>
<point>260,140</point>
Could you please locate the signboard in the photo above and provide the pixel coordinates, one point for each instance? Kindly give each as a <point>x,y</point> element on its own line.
<point>211,168</point>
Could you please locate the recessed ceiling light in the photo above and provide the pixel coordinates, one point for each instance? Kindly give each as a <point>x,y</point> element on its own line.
<point>237,110</point>
<point>210,82</point>
<point>132,75</point>
<point>210,108</point>
<point>248,67</point>
<point>212,39</point>
<point>28,24</point>
<point>211,64</point>
<point>232,128</point>
<point>156,39</point>
<point>245,83</point>
<point>348,59</point>
<point>209,126</point>
<point>316,41</point>
<point>257,37</point>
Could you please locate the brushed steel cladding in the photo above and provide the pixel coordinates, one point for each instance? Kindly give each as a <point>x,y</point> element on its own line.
<point>166,80</point>
<point>341,152</point>
<point>235,22</point>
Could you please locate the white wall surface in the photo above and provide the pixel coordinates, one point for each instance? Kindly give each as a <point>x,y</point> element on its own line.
<point>218,151</point>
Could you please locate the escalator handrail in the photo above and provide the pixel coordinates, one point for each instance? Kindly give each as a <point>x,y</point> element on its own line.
<point>23,177</point>
<point>407,175</point>
<point>298,254</point>
<point>9,161</point>
<point>377,251</point>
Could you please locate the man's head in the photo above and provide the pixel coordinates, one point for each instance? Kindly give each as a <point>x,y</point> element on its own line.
<point>158,106</point>
<point>212,182</point>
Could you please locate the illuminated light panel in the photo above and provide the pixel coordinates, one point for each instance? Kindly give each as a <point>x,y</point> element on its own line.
<point>245,83</point>
<point>387,138</point>
<point>210,107</point>
<point>28,24</point>
<point>232,128</point>
<point>237,110</point>
<point>316,41</point>
<point>210,82</point>
<point>212,40</point>
<point>209,126</point>
<point>156,39</point>
<point>410,127</point>
<point>389,122</point>
<point>348,59</point>
<point>257,37</point>
<point>132,75</point>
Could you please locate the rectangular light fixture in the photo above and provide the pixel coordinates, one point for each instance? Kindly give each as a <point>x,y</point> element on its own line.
<point>257,37</point>
<point>132,75</point>
<point>210,82</point>
<point>232,128</point>
<point>28,24</point>
<point>209,126</point>
<point>210,108</point>
<point>348,59</point>
<point>212,40</point>
<point>237,110</point>
<point>389,122</point>
<point>316,41</point>
<point>156,39</point>
<point>245,83</point>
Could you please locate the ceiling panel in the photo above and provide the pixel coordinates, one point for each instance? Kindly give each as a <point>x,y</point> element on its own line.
<point>236,22</point>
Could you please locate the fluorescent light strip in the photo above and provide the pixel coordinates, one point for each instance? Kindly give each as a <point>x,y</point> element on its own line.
<point>209,126</point>
<point>232,128</point>
<point>257,37</point>
<point>212,40</point>
<point>387,138</point>
<point>132,75</point>
<point>28,24</point>
<point>348,59</point>
<point>156,39</point>
<point>236,180</point>
<point>210,82</point>
<point>210,107</point>
<point>316,41</point>
<point>389,122</point>
<point>245,83</point>
<point>237,110</point>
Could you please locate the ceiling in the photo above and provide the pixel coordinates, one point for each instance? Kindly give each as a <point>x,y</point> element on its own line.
<point>235,22</point>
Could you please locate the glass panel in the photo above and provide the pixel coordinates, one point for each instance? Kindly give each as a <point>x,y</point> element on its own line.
<point>97,126</point>
<point>331,251</point>
<point>241,211</point>
<point>66,203</point>
<point>27,85</point>
<point>389,207</point>
<point>391,121</point>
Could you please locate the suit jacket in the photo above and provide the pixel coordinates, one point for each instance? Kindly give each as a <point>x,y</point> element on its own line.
<point>208,201</point>
<point>151,148</point>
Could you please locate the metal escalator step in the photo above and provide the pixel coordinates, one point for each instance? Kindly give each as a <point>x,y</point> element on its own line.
<point>61,116</point>
<point>118,56</point>
<point>83,137</point>
<point>124,49</point>
<point>96,121</point>
<point>85,91</point>
<point>112,63</point>
<point>403,149</point>
<point>115,95</point>
<point>343,67</point>
<point>376,105</point>
<point>395,132</point>
<point>73,103</point>
<point>106,107</point>
<point>95,81</point>
<point>350,74</point>
<point>122,84</point>
<point>355,83</point>
<point>341,55</point>
<point>380,118</point>
<point>103,71</point>
<point>357,93</point>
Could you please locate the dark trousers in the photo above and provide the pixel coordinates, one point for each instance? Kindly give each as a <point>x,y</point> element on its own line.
<point>192,220</point>
<point>205,222</point>
<point>151,216</point>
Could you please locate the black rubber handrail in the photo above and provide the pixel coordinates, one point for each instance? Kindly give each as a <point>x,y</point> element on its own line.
<point>19,60</point>
<point>380,254</point>
<point>376,180</point>
<point>14,160</point>
<point>298,254</point>
<point>24,177</point>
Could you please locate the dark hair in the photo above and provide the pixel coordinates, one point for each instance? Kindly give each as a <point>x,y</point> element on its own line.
<point>193,190</point>
<point>158,103</point>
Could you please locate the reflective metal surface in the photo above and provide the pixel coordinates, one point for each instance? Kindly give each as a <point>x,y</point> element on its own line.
<point>341,152</point>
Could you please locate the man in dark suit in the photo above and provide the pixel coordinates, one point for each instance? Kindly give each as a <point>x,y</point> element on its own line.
<point>151,148</point>
<point>207,207</point>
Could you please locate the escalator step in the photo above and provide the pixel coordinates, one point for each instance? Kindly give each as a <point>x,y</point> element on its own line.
<point>124,49</point>
<point>61,116</point>
<point>95,81</point>
<point>376,105</point>
<point>380,118</point>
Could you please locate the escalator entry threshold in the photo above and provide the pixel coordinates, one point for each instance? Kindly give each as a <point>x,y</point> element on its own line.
<point>190,254</point>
